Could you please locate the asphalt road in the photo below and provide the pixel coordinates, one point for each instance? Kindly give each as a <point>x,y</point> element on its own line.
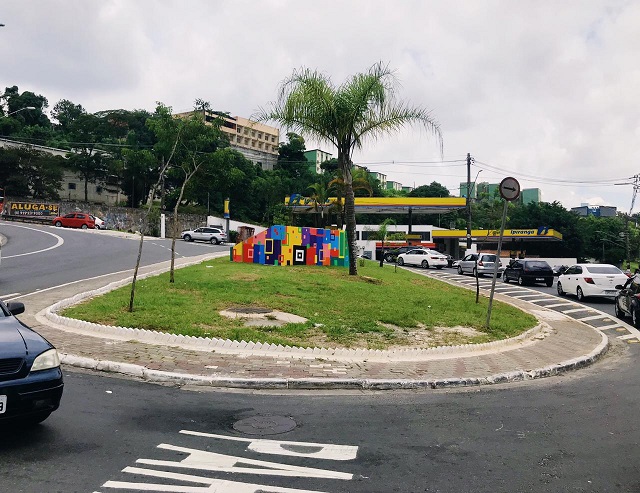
<point>40,257</point>
<point>575,433</point>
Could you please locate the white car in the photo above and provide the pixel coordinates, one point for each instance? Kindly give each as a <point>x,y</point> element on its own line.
<point>585,280</point>
<point>99,223</point>
<point>423,257</point>
<point>212,235</point>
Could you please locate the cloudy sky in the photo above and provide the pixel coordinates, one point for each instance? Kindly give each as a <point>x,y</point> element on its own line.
<point>545,91</point>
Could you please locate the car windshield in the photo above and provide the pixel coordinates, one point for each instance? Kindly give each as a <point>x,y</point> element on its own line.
<point>603,269</point>
<point>537,264</point>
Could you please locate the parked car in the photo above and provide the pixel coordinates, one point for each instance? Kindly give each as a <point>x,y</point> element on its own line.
<point>423,257</point>
<point>525,271</point>
<point>212,235</point>
<point>75,220</point>
<point>100,224</point>
<point>30,376</point>
<point>627,301</point>
<point>586,280</point>
<point>482,263</point>
<point>392,255</point>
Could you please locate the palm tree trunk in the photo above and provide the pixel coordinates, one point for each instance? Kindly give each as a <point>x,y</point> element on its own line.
<point>350,212</point>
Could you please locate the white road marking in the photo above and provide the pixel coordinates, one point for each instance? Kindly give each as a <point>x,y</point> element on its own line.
<point>575,310</point>
<point>605,327</point>
<point>541,299</point>
<point>628,336</point>
<point>594,317</point>
<point>526,295</point>
<point>215,485</point>
<point>211,461</point>
<point>59,242</point>
<point>277,447</point>
<point>567,303</point>
<point>9,295</point>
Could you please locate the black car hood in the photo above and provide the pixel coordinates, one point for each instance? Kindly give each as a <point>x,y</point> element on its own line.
<point>12,344</point>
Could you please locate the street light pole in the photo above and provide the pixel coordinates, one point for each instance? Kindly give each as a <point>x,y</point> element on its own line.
<point>21,109</point>
<point>468,201</point>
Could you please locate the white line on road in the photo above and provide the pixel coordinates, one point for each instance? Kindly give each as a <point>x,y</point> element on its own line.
<point>594,317</point>
<point>59,242</point>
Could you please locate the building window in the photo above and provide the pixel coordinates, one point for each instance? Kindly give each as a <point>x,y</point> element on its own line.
<point>72,186</point>
<point>98,189</point>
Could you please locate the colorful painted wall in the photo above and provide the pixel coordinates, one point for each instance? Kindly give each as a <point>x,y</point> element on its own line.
<point>294,245</point>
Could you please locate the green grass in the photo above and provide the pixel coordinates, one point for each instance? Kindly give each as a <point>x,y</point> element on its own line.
<point>379,308</point>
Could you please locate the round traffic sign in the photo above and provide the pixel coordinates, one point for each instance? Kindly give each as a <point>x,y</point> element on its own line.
<point>509,189</point>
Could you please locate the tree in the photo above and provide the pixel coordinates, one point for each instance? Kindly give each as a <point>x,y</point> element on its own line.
<point>192,142</point>
<point>364,107</point>
<point>435,189</point>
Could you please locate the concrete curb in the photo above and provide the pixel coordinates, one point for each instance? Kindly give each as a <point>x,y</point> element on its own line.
<point>157,376</point>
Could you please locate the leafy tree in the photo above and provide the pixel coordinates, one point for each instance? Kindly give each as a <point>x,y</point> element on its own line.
<point>28,173</point>
<point>435,189</point>
<point>345,116</point>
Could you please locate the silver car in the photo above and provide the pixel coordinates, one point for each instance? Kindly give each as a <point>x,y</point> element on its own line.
<point>212,235</point>
<point>483,263</point>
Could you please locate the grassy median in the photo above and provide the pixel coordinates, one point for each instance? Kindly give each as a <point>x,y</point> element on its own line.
<point>379,308</point>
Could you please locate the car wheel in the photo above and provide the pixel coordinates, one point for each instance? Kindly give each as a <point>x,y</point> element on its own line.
<point>425,264</point>
<point>579,294</point>
<point>400,261</point>
<point>504,278</point>
<point>460,270</point>
<point>616,310</point>
<point>58,224</point>
<point>213,241</point>
<point>388,258</point>
<point>186,238</point>
<point>84,226</point>
<point>520,281</point>
<point>550,283</point>
<point>559,289</point>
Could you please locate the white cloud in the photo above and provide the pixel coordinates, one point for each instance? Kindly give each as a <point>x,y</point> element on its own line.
<point>546,91</point>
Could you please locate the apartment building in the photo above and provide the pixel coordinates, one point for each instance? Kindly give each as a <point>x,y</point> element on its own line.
<point>316,157</point>
<point>255,141</point>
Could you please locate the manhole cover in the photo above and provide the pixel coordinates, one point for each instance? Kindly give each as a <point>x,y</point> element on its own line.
<point>249,309</point>
<point>265,425</point>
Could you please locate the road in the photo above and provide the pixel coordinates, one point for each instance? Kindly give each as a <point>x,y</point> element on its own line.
<point>574,433</point>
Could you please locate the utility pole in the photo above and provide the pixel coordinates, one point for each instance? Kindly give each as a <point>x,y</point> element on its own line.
<point>468,201</point>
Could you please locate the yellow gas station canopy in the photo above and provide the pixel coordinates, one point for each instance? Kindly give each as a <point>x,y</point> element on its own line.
<point>543,234</point>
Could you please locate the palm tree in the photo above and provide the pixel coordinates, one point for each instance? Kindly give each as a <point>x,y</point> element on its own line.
<point>359,181</point>
<point>320,198</point>
<point>362,107</point>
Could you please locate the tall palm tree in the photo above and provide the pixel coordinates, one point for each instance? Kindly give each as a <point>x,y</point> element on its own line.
<point>362,107</point>
<point>320,198</point>
<point>358,182</point>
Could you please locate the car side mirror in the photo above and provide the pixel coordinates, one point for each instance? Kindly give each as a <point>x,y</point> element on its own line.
<point>15,307</point>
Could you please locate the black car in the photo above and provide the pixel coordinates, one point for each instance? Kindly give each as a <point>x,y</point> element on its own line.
<point>30,376</point>
<point>626,303</point>
<point>392,255</point>
<point>525,271</point>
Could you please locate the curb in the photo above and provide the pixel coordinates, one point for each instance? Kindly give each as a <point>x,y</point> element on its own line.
<point>158,376</point>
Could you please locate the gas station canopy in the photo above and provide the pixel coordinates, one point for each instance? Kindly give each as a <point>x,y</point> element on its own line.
<point>384,205</point>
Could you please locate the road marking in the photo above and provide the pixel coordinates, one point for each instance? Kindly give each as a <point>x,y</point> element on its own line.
<point>526,295</point>
<point>278,447</point>
<point>613,326</point>
<point>205,460</point>
<point>568,303</point>
<point>593,317</point>
<point>628,336</point>
<point>211,461</point>
<point>8,296</point>
<point>541,299</point>
<point>59,242</point>
<point>575,310</point>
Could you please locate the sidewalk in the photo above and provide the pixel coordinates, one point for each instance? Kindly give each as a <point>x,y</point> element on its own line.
<point>559,344</point>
